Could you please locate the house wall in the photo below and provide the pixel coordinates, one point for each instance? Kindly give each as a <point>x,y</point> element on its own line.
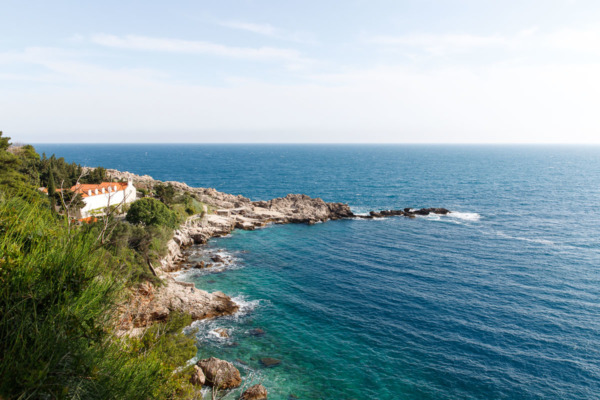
<point>95,204</point>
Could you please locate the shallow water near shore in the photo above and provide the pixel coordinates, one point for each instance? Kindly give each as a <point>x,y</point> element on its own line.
<point>499,299</point>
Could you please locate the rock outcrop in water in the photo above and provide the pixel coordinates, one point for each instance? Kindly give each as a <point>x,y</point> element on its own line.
<point>151,304</point>
<point>220,373</point>
<point>256,392</point>
<point>407,212</point>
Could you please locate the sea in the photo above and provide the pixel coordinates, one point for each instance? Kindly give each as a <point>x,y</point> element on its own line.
<point>500,299</point>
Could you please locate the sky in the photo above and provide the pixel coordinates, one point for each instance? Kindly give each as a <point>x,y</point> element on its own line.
<point>402,71</point>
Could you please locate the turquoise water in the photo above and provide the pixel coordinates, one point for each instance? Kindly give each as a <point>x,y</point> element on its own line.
<point>500,300</point>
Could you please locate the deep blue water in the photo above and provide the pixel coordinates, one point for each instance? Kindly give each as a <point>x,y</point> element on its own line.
<point>498,301</point>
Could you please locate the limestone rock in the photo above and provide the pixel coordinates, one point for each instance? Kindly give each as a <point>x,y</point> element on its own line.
<point>302,208</point>
<point>256,392</point>
<point>197,377</point>
<point>222,332</point>
<point>149,304</point>
<point>220,373</point>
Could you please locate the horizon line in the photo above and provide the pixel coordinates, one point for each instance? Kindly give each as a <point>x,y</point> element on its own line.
<point>328,143</point>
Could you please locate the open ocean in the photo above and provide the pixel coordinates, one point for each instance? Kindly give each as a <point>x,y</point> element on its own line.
<point>499,300</point>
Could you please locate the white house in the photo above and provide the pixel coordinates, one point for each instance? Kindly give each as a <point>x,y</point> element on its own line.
<point>98,197</point>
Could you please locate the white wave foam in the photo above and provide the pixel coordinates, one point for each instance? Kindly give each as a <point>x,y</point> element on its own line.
<point>232,261</point>
<point>246,306</point>
<point>206,330</point>
<point>525,239</point>
<point>467,216</point>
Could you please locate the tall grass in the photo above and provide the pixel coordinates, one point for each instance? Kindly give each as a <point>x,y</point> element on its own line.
<point>58,291</point>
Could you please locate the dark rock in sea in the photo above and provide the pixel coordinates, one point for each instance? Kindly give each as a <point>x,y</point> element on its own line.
<point>427,211</point>
<point>232,344</point>
<point>218,259</point>
<point>270,362</point>
<point>220,373</point>
<point>256,392</point>
<point>422,211</point>
<point>406,212</point>
<point>256,332</point>
<point>199,265</point>
<point>238,360</point>
<point>211,281</point>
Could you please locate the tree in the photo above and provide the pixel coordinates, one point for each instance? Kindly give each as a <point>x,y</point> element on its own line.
<point>96,175</point>
<point>52,190</point>
<point>165,193</point>
<point>150,211</point>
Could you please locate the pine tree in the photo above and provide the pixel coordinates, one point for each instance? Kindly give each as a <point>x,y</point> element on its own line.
<point>52,190</point>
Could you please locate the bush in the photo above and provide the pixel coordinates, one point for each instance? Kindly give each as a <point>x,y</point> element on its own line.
<point>150,211</point>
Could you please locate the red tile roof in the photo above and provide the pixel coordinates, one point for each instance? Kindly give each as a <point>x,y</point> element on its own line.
<point>85,187</point>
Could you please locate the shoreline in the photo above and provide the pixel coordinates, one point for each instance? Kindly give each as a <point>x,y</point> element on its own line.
<point>227,212</point>
<point>152,304</point>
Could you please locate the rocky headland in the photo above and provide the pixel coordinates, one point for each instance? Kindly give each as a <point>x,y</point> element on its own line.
<point>223,213</point>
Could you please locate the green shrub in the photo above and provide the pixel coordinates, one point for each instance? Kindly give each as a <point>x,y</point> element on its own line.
<point>150,211</point>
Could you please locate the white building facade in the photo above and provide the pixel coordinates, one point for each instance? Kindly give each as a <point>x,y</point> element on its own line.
<point>98,198</point>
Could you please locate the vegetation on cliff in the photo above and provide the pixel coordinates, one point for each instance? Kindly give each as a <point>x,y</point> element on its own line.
<point>60,285</point>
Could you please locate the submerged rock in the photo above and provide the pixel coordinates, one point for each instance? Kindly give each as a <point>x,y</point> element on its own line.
<point>256,392</point>
<point>256,332</point>
<point>220,373</point>
<point>270,362</point>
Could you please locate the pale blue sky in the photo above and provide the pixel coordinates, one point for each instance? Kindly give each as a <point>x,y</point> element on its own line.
<point>406,71</point>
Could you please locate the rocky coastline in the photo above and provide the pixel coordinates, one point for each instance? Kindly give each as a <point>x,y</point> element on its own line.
<point>222,214</point>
